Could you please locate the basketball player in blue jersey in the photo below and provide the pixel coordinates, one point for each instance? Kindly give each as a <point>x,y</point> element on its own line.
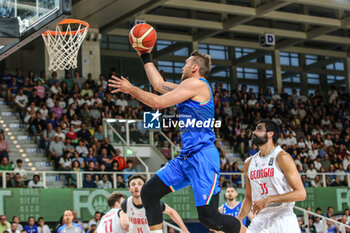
<point>232,206</point>
<point>198,163</point>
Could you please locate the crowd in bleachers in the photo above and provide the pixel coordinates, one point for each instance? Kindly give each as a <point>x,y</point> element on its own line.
<point>65,117</point>
<point>314,130</point>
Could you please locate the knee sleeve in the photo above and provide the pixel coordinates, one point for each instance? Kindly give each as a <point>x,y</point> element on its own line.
<point>151,193</point>
<point>209,216</point>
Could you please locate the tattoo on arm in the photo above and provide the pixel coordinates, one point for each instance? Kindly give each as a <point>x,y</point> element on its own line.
<point>166,88</point>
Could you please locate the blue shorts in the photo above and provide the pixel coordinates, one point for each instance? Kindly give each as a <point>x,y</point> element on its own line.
<point>200,169</point>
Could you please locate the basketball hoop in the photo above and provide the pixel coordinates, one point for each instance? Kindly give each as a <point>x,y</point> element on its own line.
<point>64,43</point>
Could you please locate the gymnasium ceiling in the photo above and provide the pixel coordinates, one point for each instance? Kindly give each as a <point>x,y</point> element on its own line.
<point>319,27</point>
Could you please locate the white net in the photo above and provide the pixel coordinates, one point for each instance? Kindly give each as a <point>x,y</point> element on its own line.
<point>63,46</point>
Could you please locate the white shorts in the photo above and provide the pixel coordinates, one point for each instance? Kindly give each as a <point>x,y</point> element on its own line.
<point>282,224</point>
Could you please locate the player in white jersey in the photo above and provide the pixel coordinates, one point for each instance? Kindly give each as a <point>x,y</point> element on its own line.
<point>110,222</point>
<point>273,184</point>
<point>136,221</point>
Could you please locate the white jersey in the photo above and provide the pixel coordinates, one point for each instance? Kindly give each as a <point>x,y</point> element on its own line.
<point>137,218</point>
<point>267,179</point>
<point>110,222</point>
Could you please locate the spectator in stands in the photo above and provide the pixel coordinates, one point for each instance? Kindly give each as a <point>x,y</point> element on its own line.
<point>12,89</point>
<point>106,145</point>
<point>16,182</point>
<point>72,135</point>
<point>14,228</point>
<point>105,158</point>
<point>58,110</point>
<point>81,148</point>
<point>318,225</point>
<point>76,122</point>
<point>130,168</point>
<point>120,182</point>
<point>104,183</point>
<point>122,101</point>
<point>31,227</point>
<point>21,101</point>
<point>306,183</point>
<point>56,150</point>
<point>332,228</point>
<point>330,212</point>
<point>37,126</point>
<point>347,216</point>
<point>96,219</point>
<point>3,223</point>
<point>88,182</point>
<point>95,115</point>
<point>65,161</point>
<point>318,163</point>
<point>84,133</point>
<point>6,166</point>
<point>35,183</point>
<point>40,89</point>
<point>91,157</point>
<point>4,146</point>
<point>48,137</point>
<point>16,220</point>
<point>53,120</point>
<point>120,159</point>
<point>311,172</point>
<point>56,88</point>
<point>77,157</point>
<point>42,227</point>
<point>99,134</point>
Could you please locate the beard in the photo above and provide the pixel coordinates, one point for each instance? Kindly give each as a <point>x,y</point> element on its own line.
<point>258,141</point>
<point>185,75</point>
<point>230,199</point>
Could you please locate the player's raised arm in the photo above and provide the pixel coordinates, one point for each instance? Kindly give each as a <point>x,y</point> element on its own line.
<point>247,202</point>
<point>156,78</point>
<point>287,165</point>
<point>176,218</point>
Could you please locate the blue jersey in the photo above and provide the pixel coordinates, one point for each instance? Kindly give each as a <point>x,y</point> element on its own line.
<point>234,211</point>
<point>195,137</point>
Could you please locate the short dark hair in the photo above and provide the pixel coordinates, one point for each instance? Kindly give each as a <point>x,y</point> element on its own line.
<point>136,177</point>
<point>203,61</point>
<point>113,198</point>
<point>271,126</point>
<point>19,161</point>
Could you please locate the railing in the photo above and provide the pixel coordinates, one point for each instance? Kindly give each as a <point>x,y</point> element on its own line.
<point>166,225</point>
<point>128,133</point>
<point>51,176</point>
<point>306,213</point>
<point>109,128</point>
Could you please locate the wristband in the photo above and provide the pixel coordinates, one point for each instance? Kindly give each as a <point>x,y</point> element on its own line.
<point>145,58</point>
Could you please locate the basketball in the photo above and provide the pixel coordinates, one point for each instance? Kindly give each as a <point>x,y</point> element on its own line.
<point>143,37</point>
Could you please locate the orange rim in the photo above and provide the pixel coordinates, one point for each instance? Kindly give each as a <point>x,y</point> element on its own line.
<point>68,21</point>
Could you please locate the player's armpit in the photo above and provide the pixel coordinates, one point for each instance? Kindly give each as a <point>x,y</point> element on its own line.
<point>287,165</point>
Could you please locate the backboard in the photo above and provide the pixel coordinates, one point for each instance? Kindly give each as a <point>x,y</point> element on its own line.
<point>21,21</point>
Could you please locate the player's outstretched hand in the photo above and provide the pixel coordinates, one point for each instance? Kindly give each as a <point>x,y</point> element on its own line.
<point>120,84</point>
<point>259,205</point>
